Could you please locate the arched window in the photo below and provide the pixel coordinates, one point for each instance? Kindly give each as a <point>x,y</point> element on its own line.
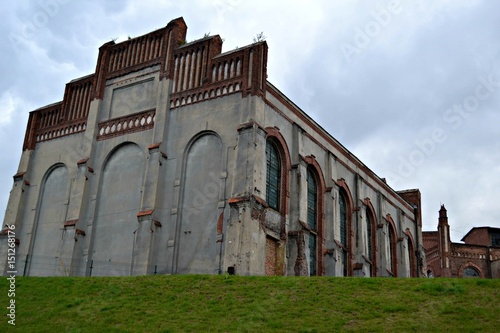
<point>51,217</point>
<point>471,272</point>
<point>391,258</point>
<point>411,255</point>
<point>343,232</point>
<point>312,201</point>
<point>369,245</point>
<point>117,204</point>
<point>273,176</point>
<point>199,251</point>
<point>371,238</point>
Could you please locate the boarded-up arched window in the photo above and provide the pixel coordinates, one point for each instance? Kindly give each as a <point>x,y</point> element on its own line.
<point>118,203</point>
<point>51,218</point>
<point>198,251</point>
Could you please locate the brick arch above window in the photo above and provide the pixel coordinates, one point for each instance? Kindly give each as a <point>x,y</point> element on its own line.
<point>393,239</point>
<point>274,136</point>
<point>411,253</point>
<point>314,167</point>
<point>344,188</point>
<point>372,223</point>
<point>345,194</point>
<point>472,265</point>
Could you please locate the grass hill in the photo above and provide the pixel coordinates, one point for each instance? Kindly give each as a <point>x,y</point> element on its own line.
<point>200,303</point>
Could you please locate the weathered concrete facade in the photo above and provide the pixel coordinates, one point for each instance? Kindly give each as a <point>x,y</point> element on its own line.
<point>478,256</point>
<point>175,158</point>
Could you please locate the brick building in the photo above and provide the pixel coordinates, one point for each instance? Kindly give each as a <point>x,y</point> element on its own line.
<point>176,158</point>
<point>478,256</point>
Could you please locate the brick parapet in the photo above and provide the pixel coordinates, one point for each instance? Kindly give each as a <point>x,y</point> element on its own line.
<point>70,115</point>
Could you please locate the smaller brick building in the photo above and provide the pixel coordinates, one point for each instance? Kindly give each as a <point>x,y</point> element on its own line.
<point>478,256</point>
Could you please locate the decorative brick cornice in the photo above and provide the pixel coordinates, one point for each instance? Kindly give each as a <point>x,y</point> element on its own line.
<point>64,129</point>
<point>128,124</point>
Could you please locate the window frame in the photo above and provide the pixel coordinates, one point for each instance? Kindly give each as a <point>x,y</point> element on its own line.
<point>344,233</point>
<point>273,151</point>
<point>372,238</point>
<point>312,220</point>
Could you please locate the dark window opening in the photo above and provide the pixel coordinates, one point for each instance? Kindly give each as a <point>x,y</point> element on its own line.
<point>471,272</point>
<point>343,231</point>
<point>273,176</point>
<point>312,200</point>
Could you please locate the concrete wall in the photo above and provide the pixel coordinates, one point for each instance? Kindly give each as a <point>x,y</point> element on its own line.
<point>165,181</point>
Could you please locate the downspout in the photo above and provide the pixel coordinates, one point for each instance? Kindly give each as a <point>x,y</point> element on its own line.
<point>488,261</point>
<point>417,250</point>
<point>357,210</point>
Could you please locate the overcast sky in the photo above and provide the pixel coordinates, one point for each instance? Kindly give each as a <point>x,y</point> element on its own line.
<point>412,88</point>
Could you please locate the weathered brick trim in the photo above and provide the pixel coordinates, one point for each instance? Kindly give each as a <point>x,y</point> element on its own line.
<point>125,125</point>
<point>70,223</point>
<point>247,198</point>
<point>204,94</point>
<point>58,131</point>
<point>80,232</point>
<point>19,176</point>
<point>320,223</point>
<point>470,264</point>
<point>249,125</point>
<point>328,138</point>
<point>394,254</point>
<point>373,217</point>
<point>273,133</point>
<point>145,213</point>
<point>220,222</point>
<point>154,146</point>
<point>82,161</point>
<point>411,244</point>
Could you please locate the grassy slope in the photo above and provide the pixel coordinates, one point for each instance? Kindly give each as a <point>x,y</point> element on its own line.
<point>198,303</point>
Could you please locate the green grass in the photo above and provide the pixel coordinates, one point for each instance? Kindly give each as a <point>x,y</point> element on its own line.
<point>200,303</point>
